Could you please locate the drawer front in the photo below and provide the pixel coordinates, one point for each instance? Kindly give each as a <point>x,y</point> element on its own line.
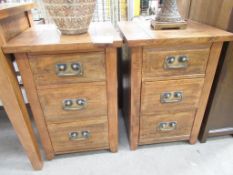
<point>74,101</point>
<point>167,64</point>
<point>84,135</point>
<point>165,127</point>
<point>178,95</point>
<point>68,68</point>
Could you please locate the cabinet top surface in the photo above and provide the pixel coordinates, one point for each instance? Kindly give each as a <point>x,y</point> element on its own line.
<point>139,33</point>
<point>10,9</point>
<point>47,38</point>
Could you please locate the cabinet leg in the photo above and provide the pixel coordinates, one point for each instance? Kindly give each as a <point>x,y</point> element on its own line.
<point>192,142</point>
<point>203,137</point>
<point>112,96</point>
<point>133,147</point>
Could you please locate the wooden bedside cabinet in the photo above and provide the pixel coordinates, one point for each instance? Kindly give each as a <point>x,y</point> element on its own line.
<point>71,84</point>
<point>168,79</point>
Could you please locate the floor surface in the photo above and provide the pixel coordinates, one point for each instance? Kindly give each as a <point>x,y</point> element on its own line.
<point>180,158</point>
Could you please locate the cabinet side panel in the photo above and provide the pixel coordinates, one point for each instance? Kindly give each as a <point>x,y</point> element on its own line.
<point>210,73</point>
<point>216,13</point>
<point>183,6</point>
<point>125,68</point>
<point>28,81</point>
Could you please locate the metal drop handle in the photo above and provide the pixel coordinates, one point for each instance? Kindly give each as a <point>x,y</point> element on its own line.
<point>74,104</point>
<point>61,67</point>
<point>76,66</point>
<point>176,62</point>
<point>69,69</point>
<point>68,103</point>
<point>85,134</point>
<point>73,135</point>
<point>167,126</point>
<point>171,97</point>
<point>171,60</point>
<point>81,102</point>
<point>79,135</point>
<point>183,59</point>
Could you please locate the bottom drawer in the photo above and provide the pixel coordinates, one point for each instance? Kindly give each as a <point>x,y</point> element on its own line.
<point>80,136</point>
<point>165,127</point>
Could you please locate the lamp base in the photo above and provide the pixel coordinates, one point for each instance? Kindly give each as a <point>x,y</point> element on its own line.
<point>168,25</point>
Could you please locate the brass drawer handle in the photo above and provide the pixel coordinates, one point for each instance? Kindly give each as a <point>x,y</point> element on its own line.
<point>167,126</point>
<point>171,97</point>
<point>176,62</point>
<point>69,69</point>
<point>74,104</point>
<point>79,135</point>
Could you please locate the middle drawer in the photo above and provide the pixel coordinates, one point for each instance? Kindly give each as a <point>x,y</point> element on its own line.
<point>70,102</point>
<point>179,95</point>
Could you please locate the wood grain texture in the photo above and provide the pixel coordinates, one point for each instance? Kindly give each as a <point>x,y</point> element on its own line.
<point>112,97</point>
<point>150,131</point>
<point>12,22</point>
<point>135,96</point>
<point>14,25</point>
<point>210,73</point>
<point>11,9</point>
<point>216,13</point>
<point>96,52</point>
<point>97,127</point>
<point>139,33</point>
<point>28,81</point>
<point>146,96</point>
<point>15,108</point>
<point>151,94</point>
<point>30,18</point>
<point>51,100</point>
<point>44,68</point>
<point>218,119</point>
<point>154,60</point>
<point>47,38</point>
<point>184,7</point>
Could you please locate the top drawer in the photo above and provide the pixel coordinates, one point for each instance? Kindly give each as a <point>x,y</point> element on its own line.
<point>68,68</point>
<point>175,62</point>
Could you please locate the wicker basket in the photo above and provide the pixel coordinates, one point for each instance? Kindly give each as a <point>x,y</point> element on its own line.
<point>71,16</point>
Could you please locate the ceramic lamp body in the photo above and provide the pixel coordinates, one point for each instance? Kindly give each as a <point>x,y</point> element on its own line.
<point>169,12</point>
<point>71,16</point>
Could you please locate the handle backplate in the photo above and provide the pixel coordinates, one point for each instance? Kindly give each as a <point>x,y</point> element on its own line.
<point>74,104</point>
<point>171,97</point>
<point>176,62</point>
<point>79,135</point>
<point>167,126</point>
<point>69,69</point>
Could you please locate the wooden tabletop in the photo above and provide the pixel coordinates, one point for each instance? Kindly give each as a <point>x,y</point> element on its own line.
<point>10,9</point>
<point>139,33</point>
<point>48,38</point>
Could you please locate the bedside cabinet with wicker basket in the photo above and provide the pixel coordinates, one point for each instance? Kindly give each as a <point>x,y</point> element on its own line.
<point>71,84</point>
